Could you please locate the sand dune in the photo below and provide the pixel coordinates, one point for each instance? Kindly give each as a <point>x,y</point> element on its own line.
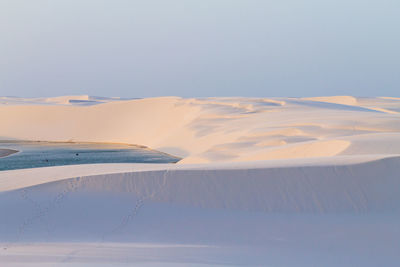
<point>209,130</point>
<point>60,100</point>
<point>264,182</point>
<point>317,186</point>
<point>344,100</point>
<point>333,209</point>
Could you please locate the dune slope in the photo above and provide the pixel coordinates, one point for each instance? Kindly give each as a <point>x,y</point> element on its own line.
<point>219,214</point>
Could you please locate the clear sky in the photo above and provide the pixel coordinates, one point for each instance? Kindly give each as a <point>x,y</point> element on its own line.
<point>191,48</point>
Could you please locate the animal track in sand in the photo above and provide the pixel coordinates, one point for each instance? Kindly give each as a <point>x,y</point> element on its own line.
<point>40,211</point>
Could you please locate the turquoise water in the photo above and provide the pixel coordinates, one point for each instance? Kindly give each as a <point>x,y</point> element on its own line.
<point>45,154</point>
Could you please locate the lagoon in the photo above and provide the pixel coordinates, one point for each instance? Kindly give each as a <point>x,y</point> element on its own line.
<point>33,154</point>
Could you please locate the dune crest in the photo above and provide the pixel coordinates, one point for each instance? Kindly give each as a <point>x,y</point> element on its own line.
<point>343,100</point>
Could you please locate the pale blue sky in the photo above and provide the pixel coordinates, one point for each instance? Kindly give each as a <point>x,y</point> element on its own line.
<point>191,48</point>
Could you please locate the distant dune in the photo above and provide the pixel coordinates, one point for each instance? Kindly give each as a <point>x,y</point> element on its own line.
<point>262,182</point>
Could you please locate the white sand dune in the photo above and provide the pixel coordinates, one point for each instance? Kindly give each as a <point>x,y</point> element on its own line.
<point>60,100</point>
<point>251,186</point>
<point>212,129</point>
<point>335,211</point>
<point>265,182</point>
